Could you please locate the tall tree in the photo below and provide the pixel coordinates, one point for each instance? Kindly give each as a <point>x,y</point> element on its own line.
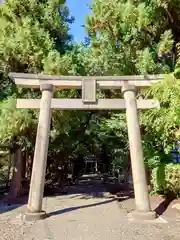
<point>132,37</point>
<point>34,38</point>
<point>33,33</point>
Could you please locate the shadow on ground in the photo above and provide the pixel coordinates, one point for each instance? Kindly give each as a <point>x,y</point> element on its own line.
<point>97,188</point>
<point>70,209</point>
<point>163,206</point>
<point>9,207</point>
<point>8,204</point>
<point>87,189</point>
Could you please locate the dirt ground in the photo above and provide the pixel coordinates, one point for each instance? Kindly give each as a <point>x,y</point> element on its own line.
<point>89,212</point>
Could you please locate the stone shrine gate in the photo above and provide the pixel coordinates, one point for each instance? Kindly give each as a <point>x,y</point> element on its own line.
<point>89,101</point>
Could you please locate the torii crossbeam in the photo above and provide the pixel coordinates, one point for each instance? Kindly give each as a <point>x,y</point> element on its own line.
<point>89,85</point>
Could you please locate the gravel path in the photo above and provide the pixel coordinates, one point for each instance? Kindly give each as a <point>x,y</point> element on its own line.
<point>78,217</point>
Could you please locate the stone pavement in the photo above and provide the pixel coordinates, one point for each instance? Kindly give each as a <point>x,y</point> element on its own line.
<point>80,216</point>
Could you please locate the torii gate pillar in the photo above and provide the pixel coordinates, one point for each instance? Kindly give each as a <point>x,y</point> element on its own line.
<point>40,156</point>
<point>143,209</point>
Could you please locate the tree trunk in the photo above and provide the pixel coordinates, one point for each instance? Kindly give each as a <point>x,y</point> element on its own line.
<point>15,187</point>
<point>29,162</point>
<point>24,166</point>
<point>9,169</point>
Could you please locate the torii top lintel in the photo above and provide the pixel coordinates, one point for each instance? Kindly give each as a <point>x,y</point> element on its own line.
<point>27,80</point>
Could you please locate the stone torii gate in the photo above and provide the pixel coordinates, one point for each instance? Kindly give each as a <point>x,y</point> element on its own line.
<point>89,85</point>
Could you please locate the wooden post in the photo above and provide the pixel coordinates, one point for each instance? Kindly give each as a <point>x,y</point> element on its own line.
<point>40,157</point>
<point>143,209</point>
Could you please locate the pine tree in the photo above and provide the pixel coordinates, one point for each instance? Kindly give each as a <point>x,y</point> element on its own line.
<point>32,33</point>
<point>133,37</point>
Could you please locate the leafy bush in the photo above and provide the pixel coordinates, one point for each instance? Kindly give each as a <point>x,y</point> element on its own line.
<point>166,179</point>
<point>4,167</point>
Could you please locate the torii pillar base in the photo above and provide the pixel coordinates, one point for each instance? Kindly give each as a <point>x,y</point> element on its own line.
<point>32,216</point>
<point>137,216</point>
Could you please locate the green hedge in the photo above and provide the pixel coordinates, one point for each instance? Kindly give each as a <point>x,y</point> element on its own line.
<point>166,179</point>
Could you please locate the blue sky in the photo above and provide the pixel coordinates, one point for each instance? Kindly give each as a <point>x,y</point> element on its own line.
<point>78,9</point>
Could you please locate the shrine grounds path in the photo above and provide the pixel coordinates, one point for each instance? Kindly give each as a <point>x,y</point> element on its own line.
<point>88,212</point>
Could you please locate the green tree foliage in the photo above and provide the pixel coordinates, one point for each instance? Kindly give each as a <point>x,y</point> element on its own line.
<point>133,37</point>
<point>161,126</point>
<point>32,34</point>
<point>8,87</point>
<point>113,133</point>
<point>34,38</point>
<point>13,123</point>
<point>166,179</point>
